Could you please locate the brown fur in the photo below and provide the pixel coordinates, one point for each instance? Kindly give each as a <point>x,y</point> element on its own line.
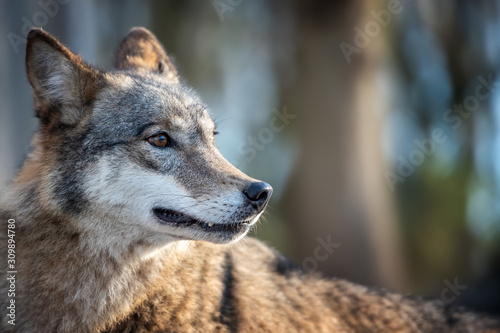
<point>141,50</point>
<point>245,287</point>
<point>80,270</point>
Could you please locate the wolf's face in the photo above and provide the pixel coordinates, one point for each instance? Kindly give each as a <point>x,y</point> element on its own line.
<point>135,146</point>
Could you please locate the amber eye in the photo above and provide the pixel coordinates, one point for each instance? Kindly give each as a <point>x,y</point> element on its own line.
<point>159,140</point>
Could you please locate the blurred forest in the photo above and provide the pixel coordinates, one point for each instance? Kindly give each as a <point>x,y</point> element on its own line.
<point>377,122</point>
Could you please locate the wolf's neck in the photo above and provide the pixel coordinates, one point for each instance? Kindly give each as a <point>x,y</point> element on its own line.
<point>92,277</point>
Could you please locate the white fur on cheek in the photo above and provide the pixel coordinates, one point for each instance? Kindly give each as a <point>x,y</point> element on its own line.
<point>133,192</point>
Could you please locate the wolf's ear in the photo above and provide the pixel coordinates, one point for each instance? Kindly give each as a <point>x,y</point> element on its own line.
<point>141,50</point>
<point>62,83</point>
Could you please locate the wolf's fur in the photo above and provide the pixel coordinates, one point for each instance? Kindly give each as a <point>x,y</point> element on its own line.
<point>93,257</point>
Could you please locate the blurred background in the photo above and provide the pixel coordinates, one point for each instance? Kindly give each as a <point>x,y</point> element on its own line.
<point>376,122</point>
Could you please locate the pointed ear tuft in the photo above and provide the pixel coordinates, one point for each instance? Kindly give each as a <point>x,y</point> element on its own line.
<point>141,50</point>
<point>63,84</point>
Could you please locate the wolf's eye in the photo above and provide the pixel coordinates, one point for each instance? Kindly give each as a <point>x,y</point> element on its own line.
<point>213,137</point>
<point>160,140</point>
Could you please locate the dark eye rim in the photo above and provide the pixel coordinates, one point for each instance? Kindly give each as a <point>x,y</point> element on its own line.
<point>170,142</point>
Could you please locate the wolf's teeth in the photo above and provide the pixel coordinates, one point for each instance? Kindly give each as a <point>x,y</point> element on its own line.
<point>210,224</point>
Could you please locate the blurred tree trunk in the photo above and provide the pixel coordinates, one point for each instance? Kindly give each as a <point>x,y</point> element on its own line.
<point>327,196</point>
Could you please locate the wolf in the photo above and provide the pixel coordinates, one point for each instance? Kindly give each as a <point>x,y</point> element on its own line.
<point>124,218</point>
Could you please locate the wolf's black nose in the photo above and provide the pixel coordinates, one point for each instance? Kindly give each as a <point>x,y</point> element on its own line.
<point>259,193</point>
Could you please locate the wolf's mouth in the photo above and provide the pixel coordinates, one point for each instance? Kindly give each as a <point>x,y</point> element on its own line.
<point>180,220</point>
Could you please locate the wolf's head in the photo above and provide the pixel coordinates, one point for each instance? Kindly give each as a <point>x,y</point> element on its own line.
<point>134,146</point>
